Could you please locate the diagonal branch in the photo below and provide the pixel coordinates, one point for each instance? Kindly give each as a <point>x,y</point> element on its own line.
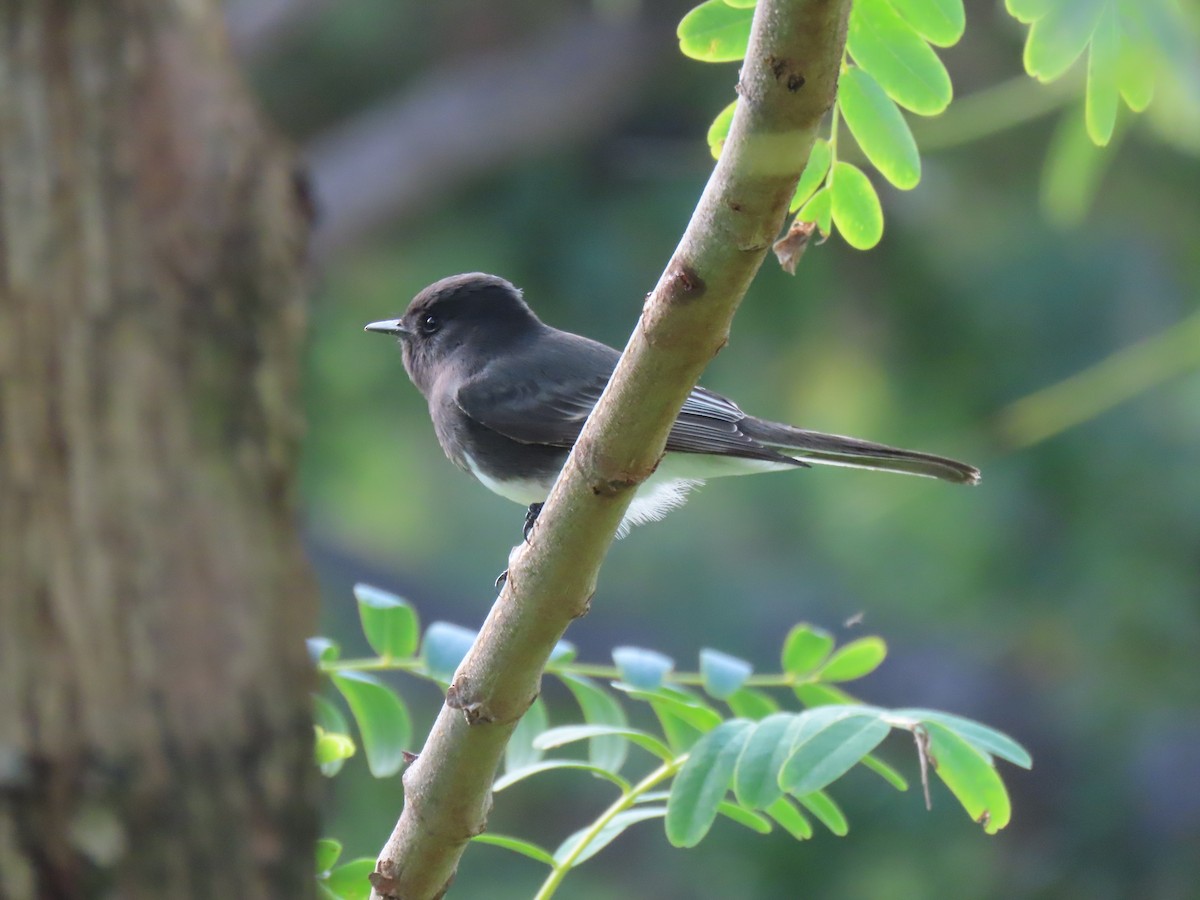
<point>787,84</point>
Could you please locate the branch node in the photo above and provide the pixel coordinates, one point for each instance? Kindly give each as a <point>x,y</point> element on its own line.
<point>611,487</point>
<point>785,72</point>
<point>475,711</point>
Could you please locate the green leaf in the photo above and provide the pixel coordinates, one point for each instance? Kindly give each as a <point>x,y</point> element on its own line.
<point>984,738</point>
<point>1102,94</point>
<point>1057,38</point>
<point>389,622</point>
<point>351,881</point>
<point>1135,73</point>
<point>1026,11</point>
<point>689,709</point>
<point>445,647</point>
<point>606,835</point>
<point>886,772</point>
<point>328,851</point>
<point>325,893</point>
<point>970,776</point>
<point>940,22</point>
<point>322,650</point>
<point>814,173</point>
<point>1072,172</point>
<point>887,47</point>
<point>749,703</point>
<point>819,209</point>
<point>756,776</point>
<point>525,848</point>
<point>742,816</point>
<point>813,695</point>
<point>701,784</point>
<point>566,734</point>
<point>715,32</point>
<point>382,719</point>
<point>806,646</point>
<point>790,819</point>
<point>821,805</point>
<point>855,205</point>
<point>564,653</point>
<point>644,669</point>
<point>508,779</point>
<point>723,674</point>
<point>879,127</point>
<point>741,4</point>
<point>600,708</point>
<point>329,718</point>
<point>822,756</point>
<point>522,748</point>
<point>855,660</point>
<point>331,747</point>
<point>718,131</point>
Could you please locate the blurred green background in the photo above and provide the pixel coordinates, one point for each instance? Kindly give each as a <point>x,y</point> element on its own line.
<point>563,148</point>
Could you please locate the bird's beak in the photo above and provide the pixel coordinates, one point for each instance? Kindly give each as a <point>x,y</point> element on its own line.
<point>389,326</point>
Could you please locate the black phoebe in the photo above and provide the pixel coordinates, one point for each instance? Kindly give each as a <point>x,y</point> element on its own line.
<point>508,396</point>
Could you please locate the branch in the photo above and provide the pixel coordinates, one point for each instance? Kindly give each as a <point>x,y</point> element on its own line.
<point>787,84</point>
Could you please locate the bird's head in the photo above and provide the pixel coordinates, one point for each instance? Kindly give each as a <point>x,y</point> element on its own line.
<point>458,323</point>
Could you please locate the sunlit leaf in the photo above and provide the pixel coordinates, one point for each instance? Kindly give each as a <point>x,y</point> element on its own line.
<point>746,817</point>
<point>508,779</point>
<point>600,708</point>
<point>723,674</point>
<point>879,128</point>
<point>718,131</point>
<point>715,32</point>
<point>382,719</point>
<point>749,703</point>
<point>610,831</point>
<point>854,660</point>
<point>322,649</point>
<point>822,695</point>
<point>328,851</point>
<point>1102,94</point>
<point>940,22</point>
<point>701,784</point>
<point>886,772</point>
<point>901,61</point>
<point>1135,73</point>
<point>1027,10</point>
<point>328,717</point>
<point>824,755</point>
<point>814,173</point>
<point>970,776</point>
<point>855,205</point>
<point>821,805</point>
<point>805,648</point>
<point>351,881</point>
<point>331,747</point>
<point>525,848</point>
<point>818,209</point>
<point>566,734</point>
<point>984,738</point>
<point>689,709</point>
<point>389,622</point>
<point>790,819</point>
<point>522,749</point>
<point>1057,38</point>
<point>644,669</point>
<point>767,747</point>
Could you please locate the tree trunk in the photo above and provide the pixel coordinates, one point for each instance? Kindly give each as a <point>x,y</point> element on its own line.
<point>155,737</point>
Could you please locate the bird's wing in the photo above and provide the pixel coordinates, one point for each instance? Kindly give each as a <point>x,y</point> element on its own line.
<point>551,411</point>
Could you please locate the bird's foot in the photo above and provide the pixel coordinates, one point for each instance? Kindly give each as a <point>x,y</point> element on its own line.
<point>531,516</point>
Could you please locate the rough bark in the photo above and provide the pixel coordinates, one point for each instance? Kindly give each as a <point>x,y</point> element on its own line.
<point>155,737</point>
<point>787,84</point>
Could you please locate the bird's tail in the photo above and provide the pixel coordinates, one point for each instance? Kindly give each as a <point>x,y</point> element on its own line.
<point>836,450</point>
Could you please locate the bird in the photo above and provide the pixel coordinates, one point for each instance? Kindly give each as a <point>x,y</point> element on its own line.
<point>509,394</point>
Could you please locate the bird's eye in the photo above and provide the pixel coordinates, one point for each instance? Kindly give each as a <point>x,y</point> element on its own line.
<point>430,324</point>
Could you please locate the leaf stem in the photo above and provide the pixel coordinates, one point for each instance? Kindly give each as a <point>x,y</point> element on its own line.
<point>622,803</point>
